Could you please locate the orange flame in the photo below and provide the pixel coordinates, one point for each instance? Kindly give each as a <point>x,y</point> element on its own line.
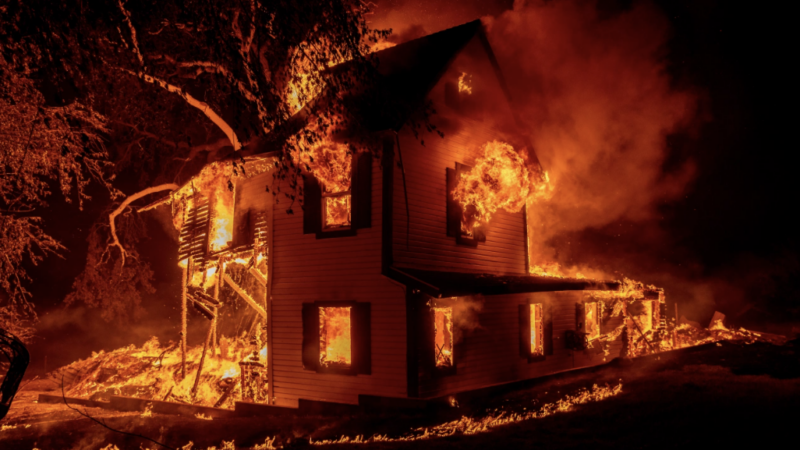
<point>330,162</point>
<point>465,84</point>
<point>443,325</point>
<point>334,335</point>
<point>337,211</point>
<point>500,179</point>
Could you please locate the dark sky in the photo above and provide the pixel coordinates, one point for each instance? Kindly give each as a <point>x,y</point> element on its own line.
<point>733,229</point>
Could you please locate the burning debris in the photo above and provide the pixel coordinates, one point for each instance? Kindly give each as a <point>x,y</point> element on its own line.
<point>153,372</point>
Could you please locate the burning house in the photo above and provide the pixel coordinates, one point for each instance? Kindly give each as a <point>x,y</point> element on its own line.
<point>406,273</point>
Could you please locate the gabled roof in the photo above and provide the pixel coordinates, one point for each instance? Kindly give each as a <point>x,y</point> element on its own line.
<point>407,72</point>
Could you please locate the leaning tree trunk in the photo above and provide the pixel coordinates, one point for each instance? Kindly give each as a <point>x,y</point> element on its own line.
<point>18,359</point>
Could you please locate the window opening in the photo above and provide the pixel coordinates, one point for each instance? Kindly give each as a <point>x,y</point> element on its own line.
<point>647,319</point>
<point>443,332</point>
<point>537,330</point>
<point>335,344</point>
<point>592,320</point>
<point>336,210</point>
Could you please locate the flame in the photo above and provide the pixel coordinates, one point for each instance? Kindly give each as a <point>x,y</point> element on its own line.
<point>475,425</point>
<point>537,331</point>
<point>233,372</point>
<point>592,319</point>
<point>500,179</point>
<point>330,162</point>
<point>334,335</point>
<point>153,372</point>
<point>337,211</point>
<point>443,326</point>
<point>465,84</point>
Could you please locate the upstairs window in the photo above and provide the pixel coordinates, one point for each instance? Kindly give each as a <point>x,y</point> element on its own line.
<point>339,209</point>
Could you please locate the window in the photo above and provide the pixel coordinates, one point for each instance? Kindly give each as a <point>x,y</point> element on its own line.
<point>536,332</point>
<point>328,214</point>
<point>443,336</point>
<point>457,218</point>
<point>648,320</point>
<point>336,210</point>
<point>337,337</point>
<point>592,320</point>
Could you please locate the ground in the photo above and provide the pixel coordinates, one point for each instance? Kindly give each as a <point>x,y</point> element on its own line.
<point>719,395</point>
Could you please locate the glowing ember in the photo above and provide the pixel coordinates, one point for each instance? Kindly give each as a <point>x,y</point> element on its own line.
<point>465,84</point>
<point>470,425</point>
<point>334,336</point>
<point>499,179</point>
<point>337,211</point>
<point>537,331</point>
<point>443,332</point>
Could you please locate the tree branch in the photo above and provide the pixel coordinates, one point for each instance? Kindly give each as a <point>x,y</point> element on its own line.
<point>133,32</point>
<point>202,106</point>
<point>128,201</point>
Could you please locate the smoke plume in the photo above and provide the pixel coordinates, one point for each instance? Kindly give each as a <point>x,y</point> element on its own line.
<point>598,103</point>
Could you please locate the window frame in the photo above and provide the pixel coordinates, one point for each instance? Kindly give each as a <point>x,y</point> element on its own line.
<point>546,331</point>
<point>360,338</point>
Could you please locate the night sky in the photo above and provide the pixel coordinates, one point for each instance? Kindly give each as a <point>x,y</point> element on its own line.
<point>732,231</point>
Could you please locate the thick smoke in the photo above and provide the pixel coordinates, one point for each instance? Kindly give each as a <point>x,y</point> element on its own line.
<point>594,93</point>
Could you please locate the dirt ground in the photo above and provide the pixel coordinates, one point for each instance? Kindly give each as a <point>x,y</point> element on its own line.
<point>721,395</point>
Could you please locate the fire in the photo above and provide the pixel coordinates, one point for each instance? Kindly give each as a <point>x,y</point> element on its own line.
<point>465,84</point>
<point>153,372</point>
<point>592,320</point>
<point>500,179</point>
<point>537,331</point>
<point>337,211</point>
<point>334,336</point>
<point>443,326</point>
<point>330,163</point>
<point>476,425</point>
<point>221,231</point>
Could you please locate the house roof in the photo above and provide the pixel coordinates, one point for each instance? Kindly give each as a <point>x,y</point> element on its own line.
<point>457,284</point>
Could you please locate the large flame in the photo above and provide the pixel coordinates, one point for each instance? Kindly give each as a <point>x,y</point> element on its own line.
<point>334,336</point>
<point>330,162</point>
<point>500,179</point>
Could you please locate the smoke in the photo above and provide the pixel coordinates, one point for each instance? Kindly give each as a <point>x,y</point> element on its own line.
<point>595,95</point>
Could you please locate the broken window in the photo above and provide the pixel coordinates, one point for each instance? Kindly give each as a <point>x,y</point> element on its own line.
<point>537,329</point>
<point>592,320</point>
<point>443,336</point>
<point>334,336</point>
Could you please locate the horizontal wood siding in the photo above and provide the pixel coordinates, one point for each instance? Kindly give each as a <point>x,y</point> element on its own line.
<point>420,227</point>
<point>307,269</point>
<point>422,241</point>
<point>490,353</point>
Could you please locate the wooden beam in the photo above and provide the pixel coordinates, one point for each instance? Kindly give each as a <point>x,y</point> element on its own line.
<point>245,296</point>
<point>258,276</point>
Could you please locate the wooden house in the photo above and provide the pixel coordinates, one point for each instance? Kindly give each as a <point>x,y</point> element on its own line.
<point>394,302</point>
